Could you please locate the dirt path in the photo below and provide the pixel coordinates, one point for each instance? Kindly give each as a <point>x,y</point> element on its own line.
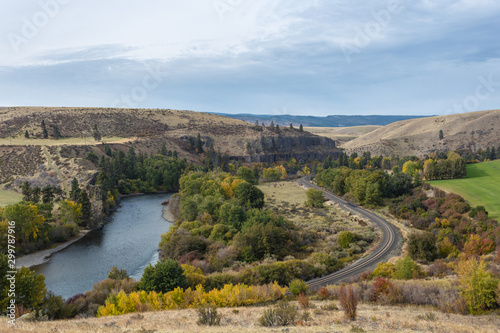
<point>54,167</point>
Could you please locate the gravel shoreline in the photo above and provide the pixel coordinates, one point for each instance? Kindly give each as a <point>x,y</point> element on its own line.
<point>41,257</point>
<point>167,214</point>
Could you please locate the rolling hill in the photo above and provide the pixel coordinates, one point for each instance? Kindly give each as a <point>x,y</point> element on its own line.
<point>468,131</point>
<point>56,161</point>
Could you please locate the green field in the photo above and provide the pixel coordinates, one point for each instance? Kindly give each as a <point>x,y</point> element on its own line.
<point>9,197</point>
<point>480,188</point>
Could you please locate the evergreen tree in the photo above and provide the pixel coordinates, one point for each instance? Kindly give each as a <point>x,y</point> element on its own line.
<point>291,126</point>
<point>278,130</point>
<point>199,144</point>
<point>163,150</point>
<point>107,151</point>
<point>75,190</point>
<point>57,134</point>
<point>493,154</point>
<point>272,125</point>
<point>26,134</point>
<point>301,128</point>
<point>47,194</point>
<point>44,130</point>
<point>256,174</point>
<point>97,134</point>
<point>84,200</point>
<point>441,135</point>
<point>26,191</point>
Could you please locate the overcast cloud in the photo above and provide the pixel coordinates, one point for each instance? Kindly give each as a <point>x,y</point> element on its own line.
<point>315,57</point>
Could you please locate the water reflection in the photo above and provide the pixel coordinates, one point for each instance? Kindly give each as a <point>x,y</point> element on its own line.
<point>129,241</point>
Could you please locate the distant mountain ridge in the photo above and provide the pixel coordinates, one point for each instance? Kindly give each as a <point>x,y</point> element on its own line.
<point>328,121</point>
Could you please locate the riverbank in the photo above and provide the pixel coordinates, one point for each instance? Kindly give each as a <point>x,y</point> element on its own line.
<point>41,257</point>
<point>167,213</point>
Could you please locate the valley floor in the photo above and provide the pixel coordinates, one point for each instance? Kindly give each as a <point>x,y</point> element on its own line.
<point>371,318</point>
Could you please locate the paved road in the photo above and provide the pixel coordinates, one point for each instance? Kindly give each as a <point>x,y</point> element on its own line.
<point>388,243</point>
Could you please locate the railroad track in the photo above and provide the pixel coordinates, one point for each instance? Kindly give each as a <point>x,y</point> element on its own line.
<point>388,243</point>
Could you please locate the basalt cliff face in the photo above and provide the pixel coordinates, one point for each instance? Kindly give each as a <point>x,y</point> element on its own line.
<point>73,133</point>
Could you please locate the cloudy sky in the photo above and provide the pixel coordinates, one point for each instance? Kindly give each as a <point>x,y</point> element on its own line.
<point>314,57</point>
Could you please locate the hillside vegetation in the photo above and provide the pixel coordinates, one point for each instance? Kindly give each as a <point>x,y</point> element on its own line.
<point>480,188</point>
<point>419,137</point>
<point>51,146</point>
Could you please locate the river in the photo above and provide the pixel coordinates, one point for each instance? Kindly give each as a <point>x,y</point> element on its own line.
<point>130,241</point>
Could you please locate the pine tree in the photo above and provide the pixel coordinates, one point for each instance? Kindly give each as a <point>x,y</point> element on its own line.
<point>97,134</point>
<point>26,191</point>
<point>301,128</point>
<point>26,134</point>
<point>57,134</point>
<point>199,144</point>
<point>278,130</point>
<point>291,126</point>
<point>35,194</point>
<point>163,150</point>
<point>84,200</point>
<point>272,125</point>
<point>44,130</point>
<point>441,135</point>
<point>75,190</point>
<point>47,194</point>
<point>107,151</point>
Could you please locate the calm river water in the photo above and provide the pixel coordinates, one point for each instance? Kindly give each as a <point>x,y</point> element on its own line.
<point>129,241</point>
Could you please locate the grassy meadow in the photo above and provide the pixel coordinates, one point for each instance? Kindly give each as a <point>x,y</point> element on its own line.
<point>480,188</point>
<point>9,197</point>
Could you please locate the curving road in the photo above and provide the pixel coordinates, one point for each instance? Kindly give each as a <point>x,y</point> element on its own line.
<point>389,242</point>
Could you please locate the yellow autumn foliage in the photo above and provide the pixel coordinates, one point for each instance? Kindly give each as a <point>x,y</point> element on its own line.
<point>229,296</point>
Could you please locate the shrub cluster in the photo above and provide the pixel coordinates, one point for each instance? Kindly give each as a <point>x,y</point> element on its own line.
<point>230,295</point>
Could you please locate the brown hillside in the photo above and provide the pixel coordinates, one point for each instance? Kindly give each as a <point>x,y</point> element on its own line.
<point>51,161</point>
<point>472,131</point>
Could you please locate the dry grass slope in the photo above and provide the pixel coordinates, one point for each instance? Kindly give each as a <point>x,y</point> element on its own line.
<point>342,134</point>
<point>245,319</point>
<point>418,137</point>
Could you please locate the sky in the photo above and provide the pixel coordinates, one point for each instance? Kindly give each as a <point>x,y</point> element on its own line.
<point>314,57</point>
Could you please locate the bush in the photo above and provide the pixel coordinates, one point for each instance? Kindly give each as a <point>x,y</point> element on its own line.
<point>165,276</point>
<point>303,301</point>
<point>323,293</point>
<point>283,314</point>
<point>381,286</point>
<point>477,285</point>
<point>314,198</point>
<point>407,269</point>
<point>385,269</point>
<point>345,239</point>
<point>297,287</point>
<point>422,246</point>
<point>207,315</point>
<point>349,301</point>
